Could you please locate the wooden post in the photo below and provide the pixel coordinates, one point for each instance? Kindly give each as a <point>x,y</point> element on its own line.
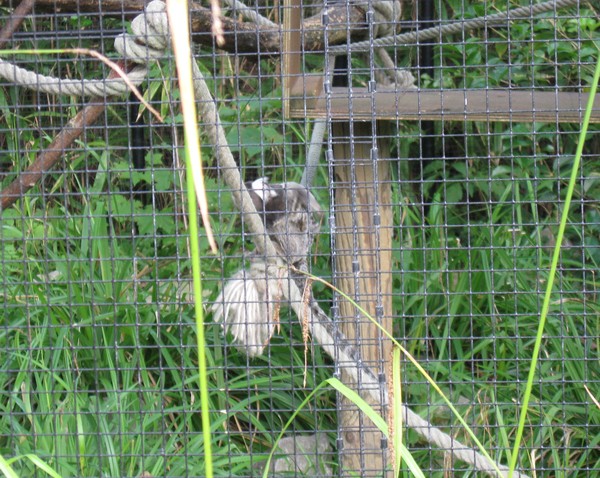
<point>363,255</point>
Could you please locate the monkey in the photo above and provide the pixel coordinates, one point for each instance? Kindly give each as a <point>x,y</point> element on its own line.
<point>248,305</point>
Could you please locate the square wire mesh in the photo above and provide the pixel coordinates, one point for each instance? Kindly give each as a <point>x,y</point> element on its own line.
<point>439,221</point>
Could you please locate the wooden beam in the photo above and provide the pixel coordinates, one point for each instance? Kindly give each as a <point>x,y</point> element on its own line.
<point>363,256</point>
<point>307,99</point>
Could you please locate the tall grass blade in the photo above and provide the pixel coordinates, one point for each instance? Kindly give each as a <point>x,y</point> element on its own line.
<point>552,274</point>
<point>179,26</point>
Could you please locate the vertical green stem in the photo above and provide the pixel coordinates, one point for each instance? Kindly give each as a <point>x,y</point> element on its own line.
<point>177,11</point>
<point>553,267</point>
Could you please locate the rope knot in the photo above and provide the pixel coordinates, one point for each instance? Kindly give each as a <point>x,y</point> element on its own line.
<point>150,37</point>
<point>386,15</point>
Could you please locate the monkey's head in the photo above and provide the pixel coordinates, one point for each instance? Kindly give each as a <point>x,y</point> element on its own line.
<point>291,215</point>
<point>261,192</point>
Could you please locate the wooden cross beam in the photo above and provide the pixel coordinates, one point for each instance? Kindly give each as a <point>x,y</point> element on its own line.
<point>307,99</point>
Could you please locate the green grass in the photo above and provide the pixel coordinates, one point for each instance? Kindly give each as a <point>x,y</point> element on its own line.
<point>99,369</point>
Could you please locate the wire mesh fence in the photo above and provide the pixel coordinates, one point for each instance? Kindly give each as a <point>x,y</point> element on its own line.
<point>410,164</point>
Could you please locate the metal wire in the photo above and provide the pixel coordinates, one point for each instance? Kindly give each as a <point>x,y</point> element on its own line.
<point>449,245</point>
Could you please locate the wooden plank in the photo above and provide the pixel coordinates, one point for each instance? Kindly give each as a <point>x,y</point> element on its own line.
<point>364,223</point>
<point>292,47</point>
<point>309,101</point>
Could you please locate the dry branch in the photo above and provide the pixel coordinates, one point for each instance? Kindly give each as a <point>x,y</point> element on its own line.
<point>15,20</point>
<point>46,160</point>
<point>240,37</point>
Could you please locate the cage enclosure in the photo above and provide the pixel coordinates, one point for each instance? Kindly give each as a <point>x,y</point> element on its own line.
<point>405,202</point>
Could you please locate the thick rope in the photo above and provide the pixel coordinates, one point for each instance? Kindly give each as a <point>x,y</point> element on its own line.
<point>521,13</point>
<point>125,44</point>
<point>401,77</point>
<point>316,140</point>
<point>59,86</point>
<point>314,152</point>
<point>386,16</point>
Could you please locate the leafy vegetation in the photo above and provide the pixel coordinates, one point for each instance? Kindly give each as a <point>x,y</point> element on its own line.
<point>99,369</point>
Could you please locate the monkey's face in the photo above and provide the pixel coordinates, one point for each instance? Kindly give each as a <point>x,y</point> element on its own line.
<point>275,200</point>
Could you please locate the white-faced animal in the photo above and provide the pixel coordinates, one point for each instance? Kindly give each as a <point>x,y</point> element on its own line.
<point>248,306</point>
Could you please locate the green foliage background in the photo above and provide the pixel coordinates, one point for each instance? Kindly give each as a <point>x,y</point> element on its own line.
<point>98,371</point>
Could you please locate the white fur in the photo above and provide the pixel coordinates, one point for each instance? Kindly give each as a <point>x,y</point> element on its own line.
<point>261,187</point>
<point>247,305</point>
